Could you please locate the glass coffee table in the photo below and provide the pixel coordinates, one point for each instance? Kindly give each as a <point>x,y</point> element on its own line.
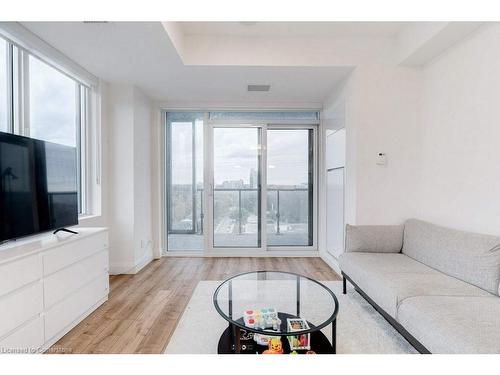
<point>289,311</point>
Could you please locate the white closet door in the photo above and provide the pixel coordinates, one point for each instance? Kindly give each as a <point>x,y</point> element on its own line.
<point>335,211</point>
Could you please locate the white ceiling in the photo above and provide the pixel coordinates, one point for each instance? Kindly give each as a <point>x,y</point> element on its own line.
<point>294,29</point>
<point>141,53</point>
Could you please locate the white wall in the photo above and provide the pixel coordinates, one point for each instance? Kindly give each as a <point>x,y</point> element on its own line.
<point>387,120</point>
<point>130,219</point>
<point>461,134</point>
<point>121,172</point>
<point>382,114</point>
<point>142,178</point>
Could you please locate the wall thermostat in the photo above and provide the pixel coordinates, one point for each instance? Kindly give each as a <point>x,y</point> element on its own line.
<point>381,158</point>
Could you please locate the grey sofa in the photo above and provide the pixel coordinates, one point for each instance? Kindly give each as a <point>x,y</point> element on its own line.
<point>437,286</point>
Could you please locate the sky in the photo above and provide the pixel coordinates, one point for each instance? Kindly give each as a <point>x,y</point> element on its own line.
<point>52,104</point>
<point>236,154</point>
<point>288,152</point>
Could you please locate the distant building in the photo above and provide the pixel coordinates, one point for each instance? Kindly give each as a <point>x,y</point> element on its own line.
<point>233,184</point>
<point>254,178</point>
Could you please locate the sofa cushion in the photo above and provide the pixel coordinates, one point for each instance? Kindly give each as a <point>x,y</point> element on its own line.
<point>471,257</point>
<point>362,263</point>
<point>374,238</point>
<point>388,279</point>
<point>445,324</point>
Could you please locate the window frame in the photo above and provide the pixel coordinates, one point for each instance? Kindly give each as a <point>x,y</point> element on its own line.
<point>18,115</point>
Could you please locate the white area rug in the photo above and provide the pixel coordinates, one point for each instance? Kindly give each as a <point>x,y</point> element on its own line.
<point>360,329</point>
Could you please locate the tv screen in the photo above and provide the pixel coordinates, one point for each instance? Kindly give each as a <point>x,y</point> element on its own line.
<point>38,190</point>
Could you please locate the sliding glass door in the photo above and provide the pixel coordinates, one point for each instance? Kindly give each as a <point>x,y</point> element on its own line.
<point>235,187</point>
<point>290,171</point>
<point>236,195</point>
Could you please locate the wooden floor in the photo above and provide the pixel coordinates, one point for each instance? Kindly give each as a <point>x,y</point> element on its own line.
<point>143,309</point>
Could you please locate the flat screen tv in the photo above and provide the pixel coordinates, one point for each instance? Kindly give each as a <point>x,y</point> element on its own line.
<point>38,190</point>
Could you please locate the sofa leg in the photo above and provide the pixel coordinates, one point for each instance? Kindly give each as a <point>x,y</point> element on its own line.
<point>344,285</point>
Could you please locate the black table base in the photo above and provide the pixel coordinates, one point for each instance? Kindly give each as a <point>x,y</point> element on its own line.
<point>319,342</point>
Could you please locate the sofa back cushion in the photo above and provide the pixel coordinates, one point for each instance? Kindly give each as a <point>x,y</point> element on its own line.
<point>374,238</point>
<point>471,257</point>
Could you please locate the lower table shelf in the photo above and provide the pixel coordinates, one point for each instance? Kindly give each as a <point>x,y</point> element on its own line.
<point>319,342</point>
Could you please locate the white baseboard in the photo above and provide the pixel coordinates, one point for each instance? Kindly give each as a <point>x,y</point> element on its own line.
<point>146,259</point>
<point>120,268</point>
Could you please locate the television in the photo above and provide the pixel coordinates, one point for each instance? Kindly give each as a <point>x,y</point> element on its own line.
<point>38,190</point>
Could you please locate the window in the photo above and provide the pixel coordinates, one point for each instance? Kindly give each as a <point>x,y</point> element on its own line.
<point>185,180</point>
<point>53,100</point>
<point>54,110</point>
<point>4,87</point>
<point>54,104</point>
<point>241,181</point>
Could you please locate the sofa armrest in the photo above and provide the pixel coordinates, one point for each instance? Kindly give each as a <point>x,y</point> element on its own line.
<point>374,238</point>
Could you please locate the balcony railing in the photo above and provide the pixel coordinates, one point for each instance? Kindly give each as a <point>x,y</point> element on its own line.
<point>276,207</point>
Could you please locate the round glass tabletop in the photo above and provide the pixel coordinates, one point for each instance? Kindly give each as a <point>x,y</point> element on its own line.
<point>276,303</point>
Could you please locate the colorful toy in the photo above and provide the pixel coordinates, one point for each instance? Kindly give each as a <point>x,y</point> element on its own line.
<point>262,319</point>
<point>299,342</point>
<point>275,346</point>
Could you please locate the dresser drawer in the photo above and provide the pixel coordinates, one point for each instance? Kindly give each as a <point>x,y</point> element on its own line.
<point>27,339</point>
<point>65,255</point>
<point>18,273</point>
<point>65,282</point>
<point>67,311</point>
<point>20,306</point>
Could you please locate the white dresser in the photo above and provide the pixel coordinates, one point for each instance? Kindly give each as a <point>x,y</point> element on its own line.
<point>48,284</point>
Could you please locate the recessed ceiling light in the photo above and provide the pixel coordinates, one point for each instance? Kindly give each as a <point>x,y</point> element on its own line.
<point>263,88</point>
